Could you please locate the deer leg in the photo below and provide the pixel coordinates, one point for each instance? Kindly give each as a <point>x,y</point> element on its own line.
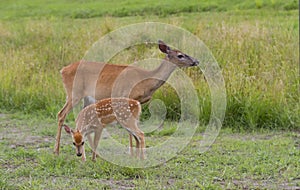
<point>132,127</point>
<point>130,144</point>
<point>140,144</point>
<point>142,147</point>
<point>83,154</point>
<point>91,142</point>
<point>140,140</point>
<point>96,142</point>
<point>137,140</point>
<point>61,118</point>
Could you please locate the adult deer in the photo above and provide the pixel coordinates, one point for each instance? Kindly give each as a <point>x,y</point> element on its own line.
<point>95,117</point>
<point>102,80</point>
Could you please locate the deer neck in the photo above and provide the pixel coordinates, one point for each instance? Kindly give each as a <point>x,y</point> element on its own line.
<point>86,119</point>
<point>163,72</point>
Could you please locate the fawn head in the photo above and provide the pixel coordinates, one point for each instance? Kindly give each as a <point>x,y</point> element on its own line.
<point>77,139</point>
<point>177,57</point>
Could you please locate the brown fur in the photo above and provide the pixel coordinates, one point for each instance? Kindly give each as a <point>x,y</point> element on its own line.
<point>77,137</point>
<point>102,80</point>
<point>95,117</point>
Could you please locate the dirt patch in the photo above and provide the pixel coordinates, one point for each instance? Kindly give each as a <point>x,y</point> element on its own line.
<point>22,137</point>
<point>264,184</point>
<point>67,183</point>
<point>2,115</point>
<point>254,137</point>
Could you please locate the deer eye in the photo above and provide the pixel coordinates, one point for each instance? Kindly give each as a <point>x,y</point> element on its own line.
<point>180,56</point>
<point>82,143</point>
<point>74,144</point>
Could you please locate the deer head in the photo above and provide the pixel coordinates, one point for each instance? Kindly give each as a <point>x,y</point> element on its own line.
<point>77,139</point>
<point>177,57</point>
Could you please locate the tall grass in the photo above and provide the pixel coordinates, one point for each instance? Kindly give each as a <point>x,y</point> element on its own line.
<point>258,52</point>
<point>260,60</point>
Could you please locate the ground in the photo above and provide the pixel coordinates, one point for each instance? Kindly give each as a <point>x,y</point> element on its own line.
<point>237,160</point>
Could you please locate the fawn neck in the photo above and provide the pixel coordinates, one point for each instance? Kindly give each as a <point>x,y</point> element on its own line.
<point>86,120</point>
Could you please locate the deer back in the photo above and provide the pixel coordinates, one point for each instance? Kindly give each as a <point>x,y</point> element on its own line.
<point>117,109</point>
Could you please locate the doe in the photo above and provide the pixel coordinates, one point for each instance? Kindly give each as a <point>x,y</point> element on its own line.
<point>95,117</point>
<point>103,80</point>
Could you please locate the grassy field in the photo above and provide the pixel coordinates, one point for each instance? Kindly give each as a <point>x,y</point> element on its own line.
<point>257,51</point>
<point>92,8</point>
<point>258,160</point>
<point>256,44</point>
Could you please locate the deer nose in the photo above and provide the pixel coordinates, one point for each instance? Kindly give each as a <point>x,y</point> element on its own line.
<point>195,62</point>
<point>79,154</point>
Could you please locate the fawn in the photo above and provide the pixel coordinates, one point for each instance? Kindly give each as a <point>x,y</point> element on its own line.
<point>95,117</point>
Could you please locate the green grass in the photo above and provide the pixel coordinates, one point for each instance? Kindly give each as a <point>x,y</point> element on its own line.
<point>264,160</point>
<point>92,8</point>
<point>256,44</point>
<point>257,50</point>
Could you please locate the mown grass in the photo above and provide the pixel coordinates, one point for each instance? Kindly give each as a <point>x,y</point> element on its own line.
<point>264,160</point>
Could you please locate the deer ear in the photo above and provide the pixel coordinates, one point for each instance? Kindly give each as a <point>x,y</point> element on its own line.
<point>163,47</point>
<point>68,129</point>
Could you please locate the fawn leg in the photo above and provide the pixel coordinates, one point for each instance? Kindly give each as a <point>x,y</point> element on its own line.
<point>96,142</point>
<point>130,144</point>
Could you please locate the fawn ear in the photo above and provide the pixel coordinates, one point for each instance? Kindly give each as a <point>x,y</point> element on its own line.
<point>68,129</point>
<point>163,47</point>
